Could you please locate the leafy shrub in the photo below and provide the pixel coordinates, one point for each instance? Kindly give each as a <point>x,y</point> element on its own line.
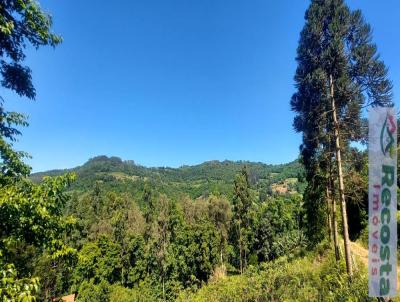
<point>90,292</point>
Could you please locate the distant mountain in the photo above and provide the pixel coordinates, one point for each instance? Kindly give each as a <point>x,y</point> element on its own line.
<point>211,176</point>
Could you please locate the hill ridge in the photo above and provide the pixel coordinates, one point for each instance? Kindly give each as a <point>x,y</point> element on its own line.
<point>195,180</point>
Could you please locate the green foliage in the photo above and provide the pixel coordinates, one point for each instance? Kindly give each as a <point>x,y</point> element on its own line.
<point>31,215</point>
<point>89,291</point>
<point>220,214</point>
<point>143,242</point>
<point>99,261</point>
<point>315,209</point>
<point>122,294</point>
<point>13,288</point>
<point>277,228</point>
<point>303,279</point>
<point>138,258</point>
<point>21,23</point>
<point>144,292</point>
<point>196,252</point>
<point>243,200</point>
<point>356,180</point>
<point>55,275</point>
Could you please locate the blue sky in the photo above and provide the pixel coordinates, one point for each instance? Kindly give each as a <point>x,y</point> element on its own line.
<point>168,83</point>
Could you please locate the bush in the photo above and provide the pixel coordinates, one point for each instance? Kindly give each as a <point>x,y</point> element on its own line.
<point>89,292</point>
<point>104,292</point>
<point>121,294</point>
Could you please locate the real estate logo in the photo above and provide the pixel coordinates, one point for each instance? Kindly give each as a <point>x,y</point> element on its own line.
<point>387,139</point>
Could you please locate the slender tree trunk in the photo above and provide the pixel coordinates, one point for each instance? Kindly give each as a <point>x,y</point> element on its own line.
<point>163,287</point>
<point>331,190</point>
<point>334,219</point>
<point>328,218</point>
<point>245,244</point>
<point>244,258</point>
<point>341,183</point>
<point>221,249</point>
<point>164,243</point>
<point>240,248</point>
<point>163,281</point>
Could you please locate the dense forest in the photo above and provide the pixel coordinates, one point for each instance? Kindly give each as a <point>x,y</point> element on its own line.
<point>113,230</point>
<point>162,230</point>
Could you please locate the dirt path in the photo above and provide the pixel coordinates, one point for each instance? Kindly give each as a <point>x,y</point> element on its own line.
<point>362,254</point>
<point>360,251</point>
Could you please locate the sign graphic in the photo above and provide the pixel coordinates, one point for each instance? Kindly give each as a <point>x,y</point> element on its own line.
<point>382,257</point>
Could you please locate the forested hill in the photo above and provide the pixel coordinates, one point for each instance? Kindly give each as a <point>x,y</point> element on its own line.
<point>197,180</point>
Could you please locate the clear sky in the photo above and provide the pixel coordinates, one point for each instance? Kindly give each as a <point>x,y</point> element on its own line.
<point>175,82</point>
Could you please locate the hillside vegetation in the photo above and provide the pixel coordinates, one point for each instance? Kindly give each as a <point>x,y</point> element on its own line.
<point>200,180</point>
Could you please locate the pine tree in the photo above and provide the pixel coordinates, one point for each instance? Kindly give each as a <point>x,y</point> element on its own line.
<point>338,73</point>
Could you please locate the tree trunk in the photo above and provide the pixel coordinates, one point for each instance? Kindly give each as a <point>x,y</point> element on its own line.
<point>163,287</point>
<point>240,247</point>
<point>328,218</point>
<point>334,219</point>
<point>341,183</point>
<point>244,258</point>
